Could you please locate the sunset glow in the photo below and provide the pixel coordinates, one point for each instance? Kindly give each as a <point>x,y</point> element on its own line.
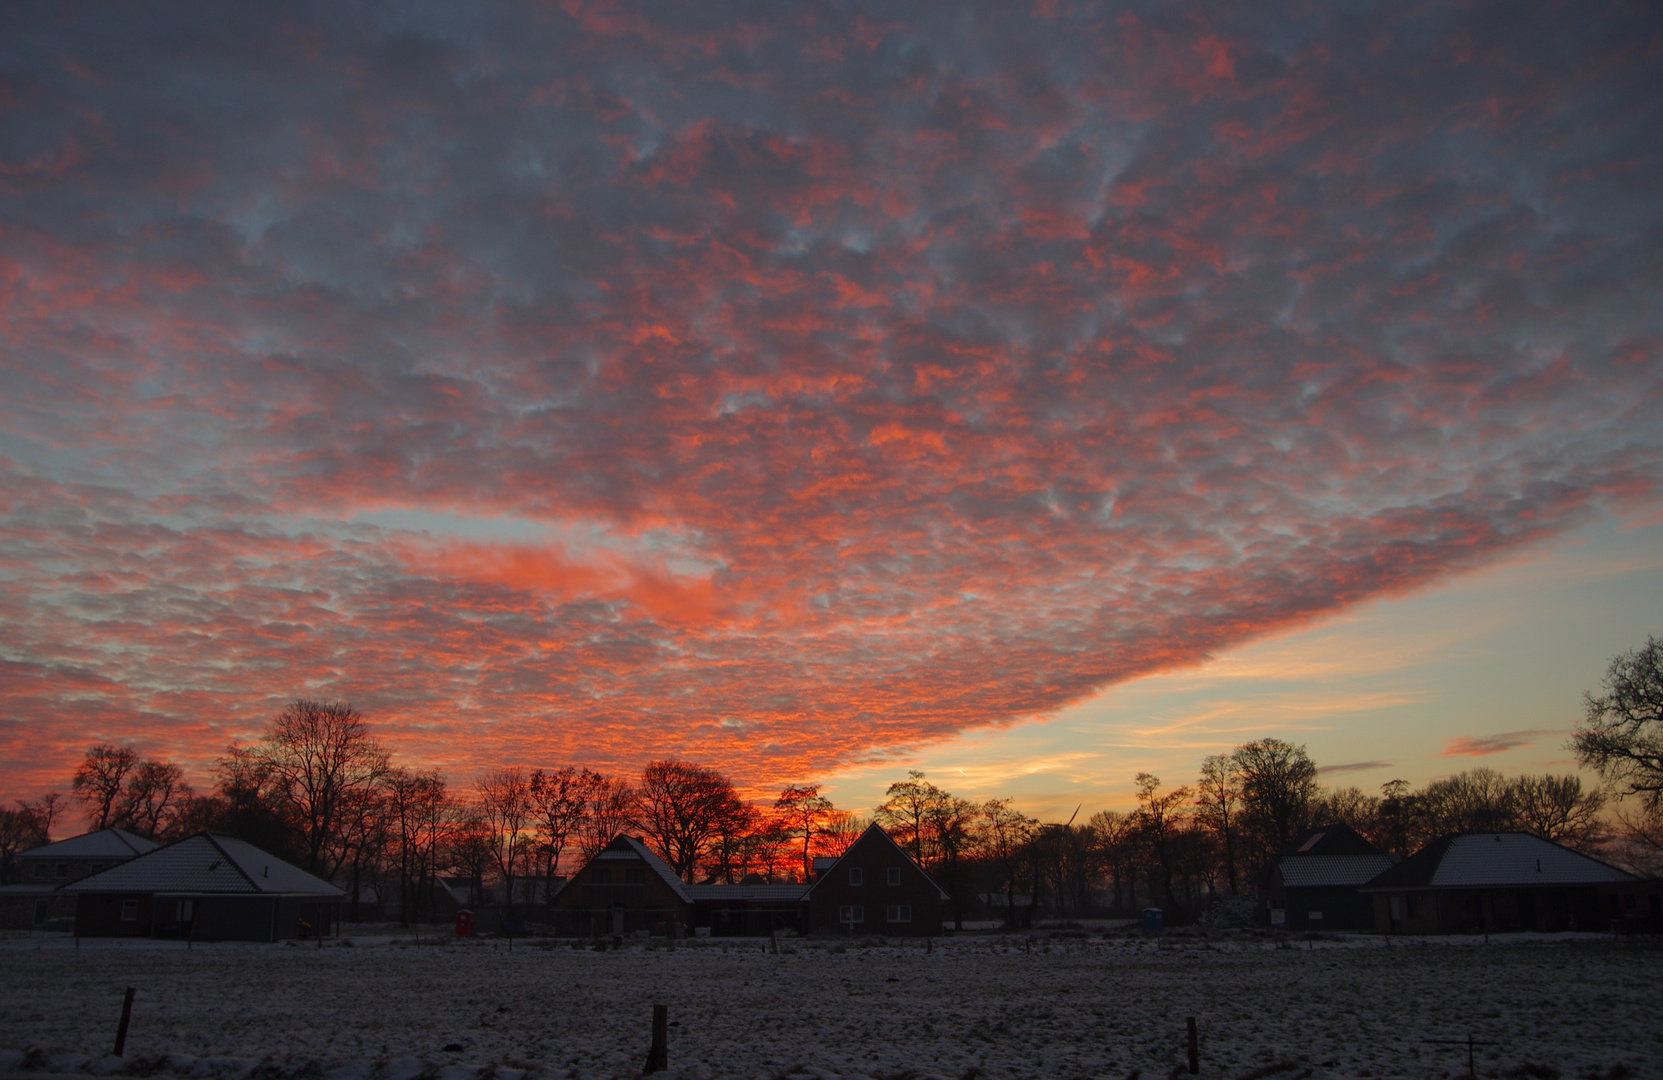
<point>788,388</point>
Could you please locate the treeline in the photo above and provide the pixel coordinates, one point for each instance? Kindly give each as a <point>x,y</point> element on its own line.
<point>320,790</point>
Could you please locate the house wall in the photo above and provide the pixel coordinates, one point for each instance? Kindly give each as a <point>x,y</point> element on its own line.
<point>1451,911</point>
<point>587,907</point>
<point>50,872</point>
<point>21,910</point>
<point>1342,909</point>
<point>874,856</point>
<point>210,918</point>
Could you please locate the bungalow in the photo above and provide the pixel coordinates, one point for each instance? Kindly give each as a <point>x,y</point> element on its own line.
<point>1313,884</point>
<point>40,895</point>
<point>1507,881</point>
<point>205,887</point>
<point>875,887</point>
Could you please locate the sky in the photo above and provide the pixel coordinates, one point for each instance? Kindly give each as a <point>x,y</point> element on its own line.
<point>1025,394</point>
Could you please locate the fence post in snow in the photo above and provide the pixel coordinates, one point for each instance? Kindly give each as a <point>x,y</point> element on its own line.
<point>658,1058</point>
<point>126,1018</point>
<point>1195,1047</point>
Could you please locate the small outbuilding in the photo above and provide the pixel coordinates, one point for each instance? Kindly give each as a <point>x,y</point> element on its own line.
<point>1473,882</point>
<point>1314,884</point>
<point>209,888</point>
<point>875,887</point>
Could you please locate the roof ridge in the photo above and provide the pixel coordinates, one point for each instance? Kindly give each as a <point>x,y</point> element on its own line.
<point>229,858</point>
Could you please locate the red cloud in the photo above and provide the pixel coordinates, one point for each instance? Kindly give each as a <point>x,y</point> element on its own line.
<point>870,386</point>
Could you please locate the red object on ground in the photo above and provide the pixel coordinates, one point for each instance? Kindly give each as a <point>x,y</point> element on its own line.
<point>464,923</point>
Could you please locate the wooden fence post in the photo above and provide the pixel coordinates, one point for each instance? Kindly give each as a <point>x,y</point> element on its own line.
<point>126,1018</point>
<point>658,1058</point>
<point>1195,1047</point>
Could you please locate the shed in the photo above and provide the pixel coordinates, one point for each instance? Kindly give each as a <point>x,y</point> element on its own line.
<point>206,887</point>
<point>1508,881</point>
<point>875,887</point>
<point>1314,884</point>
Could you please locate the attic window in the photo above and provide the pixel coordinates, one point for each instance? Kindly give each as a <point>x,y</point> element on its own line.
<point>1312,842</point>
<point>129,911</point>
<point>856,876</point>
<point>41,870</point>
<point>894,877</point>
<point>61,870</point>
<point>635,877</point>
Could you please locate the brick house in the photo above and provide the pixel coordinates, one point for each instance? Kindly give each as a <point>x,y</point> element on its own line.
<point>39,897</point>
<point>1508,881</point>
<point>626,889</point>
<point>875,887</point>
<point>208,888</point>
<point>1315,883</point>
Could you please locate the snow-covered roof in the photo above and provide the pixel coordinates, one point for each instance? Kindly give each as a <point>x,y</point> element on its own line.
<point>103,844</point>
<point>206,863</point>
<point>1491,860</point>
<point>1318,871</point>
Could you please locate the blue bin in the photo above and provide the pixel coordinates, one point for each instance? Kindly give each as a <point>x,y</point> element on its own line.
<point>1152,920</point>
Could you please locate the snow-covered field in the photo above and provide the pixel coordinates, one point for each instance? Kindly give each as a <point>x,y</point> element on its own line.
<point>1070,1007</point>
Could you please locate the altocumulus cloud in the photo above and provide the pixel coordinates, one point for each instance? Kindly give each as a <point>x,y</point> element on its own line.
<point>842,376</point>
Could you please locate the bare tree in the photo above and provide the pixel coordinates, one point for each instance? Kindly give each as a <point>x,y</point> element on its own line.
<point>100,780</point>
<point>1117,839</point>
<point>1556,808</point>
<point>505,806</point>
<point>906,809</point>
<point>321,759</point>
<point>1160,817</point>
<point>560,802</point>
<point>1218,809</point>
<point>1278,783</point>
<point>1621,735</point>
<point>1006,833</point>
<point>806,811</point>
<point>1478,800</point>
<point>680,807</point>
<point>152,797</point>
<point>22,828</point>
<point>952,823</point>
<point>611,810</point>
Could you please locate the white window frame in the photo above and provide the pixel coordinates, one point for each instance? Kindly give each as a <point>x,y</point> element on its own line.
<point>894,875</point>
<point>129,911</point>
<point>899,913</point>
<point>851,913</point>
<point>857,876</point>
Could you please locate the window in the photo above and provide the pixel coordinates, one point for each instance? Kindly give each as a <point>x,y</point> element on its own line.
<point>62,870</point>
<point>856,877</point>
<point>183,911</point>
<point>600,875</point>
<point>129,911</point>
<point>900,913</point>
<point>851,913</point>
<point>894,875</point>
<point>1409,906</point>
<point>40,869</point>
<point>635,877</point>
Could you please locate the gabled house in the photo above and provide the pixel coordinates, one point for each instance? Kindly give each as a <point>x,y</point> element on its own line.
<point>1508,881</point>
<point>205,887</point>
<point>40,897</point>
<point>626,889</point>
<point>1314,883</point>
<point>875,887</point>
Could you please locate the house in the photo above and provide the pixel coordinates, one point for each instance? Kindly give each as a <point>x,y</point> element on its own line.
<point>205,887</point>
<point>1507,881</point>
<point>40,896</point>
<point>626,889</point>
<point>1314,883</point>
<point>875,887</point>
